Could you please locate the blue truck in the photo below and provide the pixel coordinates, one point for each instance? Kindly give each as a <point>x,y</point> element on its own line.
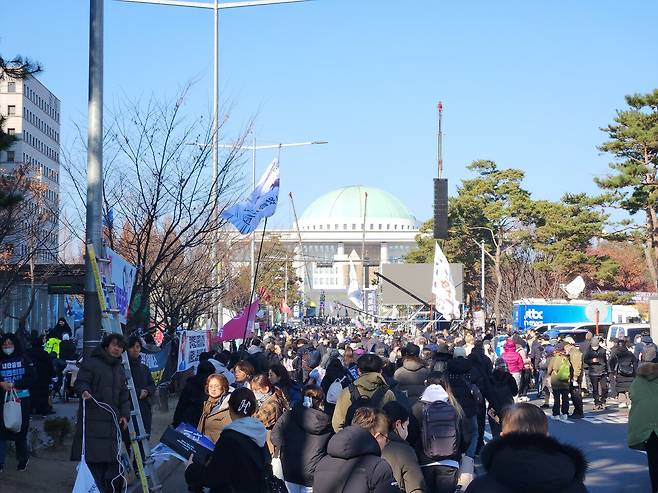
<point>527,314</point>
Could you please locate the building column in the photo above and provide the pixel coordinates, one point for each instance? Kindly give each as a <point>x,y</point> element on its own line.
<point>383,253</point>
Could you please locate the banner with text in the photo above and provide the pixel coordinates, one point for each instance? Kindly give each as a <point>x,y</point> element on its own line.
<point>156,360</point>
<point>192,344</point>
<point>122,274</point>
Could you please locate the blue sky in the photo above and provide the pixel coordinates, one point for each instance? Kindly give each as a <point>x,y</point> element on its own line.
<point>527,84</point>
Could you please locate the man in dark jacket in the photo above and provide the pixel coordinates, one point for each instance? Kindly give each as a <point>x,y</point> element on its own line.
<point>410,377</point>
<point>193,395</point>
<point>596,360</point>
<point>519,462</point>
<point>463,378</point>
<point>144,385</point>
<point>45,372</point>
<point>353,462</point>
<point>622,365</point>
<point>102,379</point>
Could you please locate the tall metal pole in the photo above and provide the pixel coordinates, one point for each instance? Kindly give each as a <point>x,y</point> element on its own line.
<point>216,273</point>
<point>285,291</point>
<point>439,141</point>
<point>363,255</point>
<point>92,316</point>
<point>253,235</point>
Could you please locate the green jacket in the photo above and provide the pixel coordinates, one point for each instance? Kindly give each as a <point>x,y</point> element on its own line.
<point>402,459</point>
<point>52,346</point>
<point>576,359</point>
<point>553,367</point>
<point>366,384</point>
<point>643,417</point>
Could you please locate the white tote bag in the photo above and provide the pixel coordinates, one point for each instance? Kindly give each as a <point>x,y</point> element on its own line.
<point>12,414</point>
<point>84,481</point>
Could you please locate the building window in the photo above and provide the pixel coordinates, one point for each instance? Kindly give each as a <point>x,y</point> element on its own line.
<point>11,110</point>
<point>388,227</point>
<point>372,226</point>
<point>11,87</point>
<point>380,227</point>
<point>395,226</point>
<point>11,131</point>
<point>11,156</point>
<point>345,227</point>
<point>353,226</point>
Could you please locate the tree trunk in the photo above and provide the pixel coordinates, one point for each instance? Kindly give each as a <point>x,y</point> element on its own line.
<point>499,285</point>
<point>651,246</point>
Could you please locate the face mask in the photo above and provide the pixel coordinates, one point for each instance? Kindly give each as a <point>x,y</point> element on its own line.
<point>8,350</point>
<point>260,397</point>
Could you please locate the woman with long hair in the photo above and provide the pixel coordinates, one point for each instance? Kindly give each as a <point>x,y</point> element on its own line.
<point>215,415</point>
<point>271,403</point>
<point>244,372</point>
<point>280,377</point>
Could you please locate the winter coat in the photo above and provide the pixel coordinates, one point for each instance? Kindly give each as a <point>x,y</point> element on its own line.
<point>601,366</point>
<point>553,367</point>
<point>481,361</point>
<point>619,356</point>
<point>43,366</point>
<point>190,403</point>
<point>19,369</point>
<point>143,380</point>
<point>67,350</point>
<point>258,359</point>
<point>214,417</point>
<point>292,392</point>
<point>301,436</point>
<point>239,462</point>
<point>366,384</point>
<point>335,371</point>
<point>404,463</point>
<point>52,345</point>
<point>459,373</point>
<point>513,359</point>
<point>643,417</point>
<point>500,390</point>
<point>103,377</point>
<point>411,378</point>
<point>435,393</point>
<point>530,463</point>
<point>441,362</point>
<point>270,411</point>
<point>576,360</point>
<point>353,464</point>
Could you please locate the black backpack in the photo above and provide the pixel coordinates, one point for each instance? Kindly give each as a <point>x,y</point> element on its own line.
<point>625,367</point>
<point>359,400</point>
<point>439,432</point>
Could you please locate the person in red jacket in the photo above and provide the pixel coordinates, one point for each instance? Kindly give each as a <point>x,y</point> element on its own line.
<point>514,360</point>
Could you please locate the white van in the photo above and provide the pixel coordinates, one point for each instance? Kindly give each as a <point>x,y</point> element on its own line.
<point>630,331</point>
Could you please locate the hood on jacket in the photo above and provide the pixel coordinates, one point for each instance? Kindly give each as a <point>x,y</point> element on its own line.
<point>254,350</point>
<point>648,370</point>
<point>99,352</point>
<point>370,381</point>
<point>434,393</point>
<point>510,345</point>
<point>532,462</point>
<point>351,442</point>
<point>460,365</point>
<point>250,427</point>
<point>413,363</point>
<point>311,420</point>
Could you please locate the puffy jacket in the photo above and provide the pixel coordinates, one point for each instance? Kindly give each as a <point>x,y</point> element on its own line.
<point>621,356</point>
<point>18,369</point>
<point>513,359</point>
<point>500,390</point>
<point>643,419</point>
<point>103,377</point>
<point>366,384</point>
<point>353,464</point>
<point>522,463</point>
<point>601,366</point>
<point>411,378</point>
<point>301,436</point>
<point>214,417</point>
<point>52,345</point>
<point>404,463</point>
<point>459,373</point>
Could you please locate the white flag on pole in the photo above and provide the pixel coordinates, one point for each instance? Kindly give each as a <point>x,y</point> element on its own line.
<point>443,287</point>
<point>261,203</point>
<point>353,292</point>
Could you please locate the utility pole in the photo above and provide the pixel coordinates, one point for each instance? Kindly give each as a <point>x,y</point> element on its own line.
<point>439,141</point>
<point>363,255</point>
<point>482,279</point>
<point>93,227</point>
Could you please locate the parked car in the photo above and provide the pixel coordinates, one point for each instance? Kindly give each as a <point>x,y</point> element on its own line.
<point>590,327</point>
<point>630,331</point>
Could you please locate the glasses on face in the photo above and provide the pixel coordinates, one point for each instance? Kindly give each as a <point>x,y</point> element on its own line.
<point>215,387</point>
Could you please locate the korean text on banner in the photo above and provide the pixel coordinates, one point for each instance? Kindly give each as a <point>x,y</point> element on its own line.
<point>192,344</point>
<point>122,274</point>
<point>443,287</point>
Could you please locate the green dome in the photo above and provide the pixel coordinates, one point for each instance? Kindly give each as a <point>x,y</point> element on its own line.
<point>345,205</point>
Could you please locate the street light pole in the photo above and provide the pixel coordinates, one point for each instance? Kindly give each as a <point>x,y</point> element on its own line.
<point>92,316</point>
<point>216,6</point>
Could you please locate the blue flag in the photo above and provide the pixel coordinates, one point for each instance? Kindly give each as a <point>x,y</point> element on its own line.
<point>261,203</point>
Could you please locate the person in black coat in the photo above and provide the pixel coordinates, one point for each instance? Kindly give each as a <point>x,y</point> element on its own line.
<point>335,371</point>
<point>143,380</point>
<point>353,462</point>
<point>192,397</point>
<point>17,374</point>
<point>102,378</point>
<point>241,460</point>
<point>67,349</point>
<point>482,367</point>
<point>462,377</point>
<point>45,372</point>
<point>301,436</point>
<point>622,365</point>
<point>499,391</point>
<point>596,360</point>
<point>524,458</point>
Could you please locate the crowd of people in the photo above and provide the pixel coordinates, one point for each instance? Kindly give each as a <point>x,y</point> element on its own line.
<point>355,410</point>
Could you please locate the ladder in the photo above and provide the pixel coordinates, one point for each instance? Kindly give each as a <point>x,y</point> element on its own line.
<point>146,470</point>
